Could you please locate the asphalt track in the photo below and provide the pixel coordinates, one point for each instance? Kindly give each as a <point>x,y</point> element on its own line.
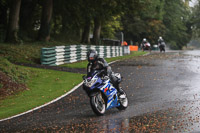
<point>163,91</point>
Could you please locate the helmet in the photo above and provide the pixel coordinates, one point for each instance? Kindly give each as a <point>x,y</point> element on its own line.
<point>160,37</point>
<point>144,39</point>
<point>92,55</point>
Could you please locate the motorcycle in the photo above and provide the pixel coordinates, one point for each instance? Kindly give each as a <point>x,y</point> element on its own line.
<point>146,46</point>
<point>103,95</point>
<point>162,47</point>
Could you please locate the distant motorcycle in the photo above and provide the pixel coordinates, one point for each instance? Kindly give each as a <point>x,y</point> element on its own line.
<point>162,46</point>
<point>146,46</point>
<point>102,94</point>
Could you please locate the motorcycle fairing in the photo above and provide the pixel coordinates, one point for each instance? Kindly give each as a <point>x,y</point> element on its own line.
<point>111,94</point>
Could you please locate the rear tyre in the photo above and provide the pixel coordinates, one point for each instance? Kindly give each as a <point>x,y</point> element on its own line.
<point>98,104</point>
<point>123,101</point>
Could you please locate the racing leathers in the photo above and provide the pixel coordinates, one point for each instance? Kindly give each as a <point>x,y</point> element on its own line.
<point>160,42</point>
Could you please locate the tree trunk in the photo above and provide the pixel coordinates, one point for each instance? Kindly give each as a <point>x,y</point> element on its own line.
<point>86,32</point>
<point>97,31</point>
<point>44,32</point>
<point>26,17</point>
<point>3,22</point>
<point>13,21</point>
<point>64,23</point>
<point>3,15</point>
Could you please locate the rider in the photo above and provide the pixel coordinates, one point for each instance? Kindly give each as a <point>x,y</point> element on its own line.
<point>97,63</point>
<point>144,41</point>
<point>160,40</point>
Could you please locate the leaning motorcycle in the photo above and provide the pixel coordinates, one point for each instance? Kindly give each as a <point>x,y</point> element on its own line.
<point>146,46</point>
<point>103,95</point>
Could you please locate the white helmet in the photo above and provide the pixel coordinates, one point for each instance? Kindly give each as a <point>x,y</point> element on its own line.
<point>144,39</point>
<point>160,37</point>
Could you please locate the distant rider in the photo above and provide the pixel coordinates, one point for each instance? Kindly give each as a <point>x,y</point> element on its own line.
<point>145,44</point>
<point>161,41</point>
<point>97,63</point>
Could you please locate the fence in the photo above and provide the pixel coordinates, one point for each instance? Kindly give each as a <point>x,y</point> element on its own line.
<point>68,54</point>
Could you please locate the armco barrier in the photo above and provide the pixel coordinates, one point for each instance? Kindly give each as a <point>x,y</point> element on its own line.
<point>67,54</point>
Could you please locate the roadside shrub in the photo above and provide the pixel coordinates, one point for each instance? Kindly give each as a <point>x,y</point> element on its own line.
<point>173,45</point>
<point>16,73</point>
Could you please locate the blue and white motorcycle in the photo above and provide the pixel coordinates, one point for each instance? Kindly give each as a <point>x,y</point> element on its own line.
<point>102,93</point>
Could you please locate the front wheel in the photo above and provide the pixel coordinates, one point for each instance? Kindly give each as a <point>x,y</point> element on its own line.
<point>98,104</point>
<point>123,100</point>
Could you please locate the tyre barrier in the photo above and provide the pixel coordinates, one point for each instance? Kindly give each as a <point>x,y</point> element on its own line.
<point>59,55</point>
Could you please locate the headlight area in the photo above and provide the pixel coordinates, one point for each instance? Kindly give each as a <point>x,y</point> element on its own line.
<point>90,83</point>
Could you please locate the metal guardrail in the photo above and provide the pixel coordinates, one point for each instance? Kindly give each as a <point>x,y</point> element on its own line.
<point>58,55</point>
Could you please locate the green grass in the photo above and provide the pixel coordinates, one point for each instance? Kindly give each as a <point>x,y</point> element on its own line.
<point>45,85</point>
<point>17,74</point>
<point>83,64</point>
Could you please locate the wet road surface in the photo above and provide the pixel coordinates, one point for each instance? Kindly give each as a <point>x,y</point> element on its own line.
<point>163,92</point>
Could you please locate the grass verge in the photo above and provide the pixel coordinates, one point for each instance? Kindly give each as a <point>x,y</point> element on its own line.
<point>25,53</point>
<point>17,74</point>
<point>44,86</point>
<point>83,64</point>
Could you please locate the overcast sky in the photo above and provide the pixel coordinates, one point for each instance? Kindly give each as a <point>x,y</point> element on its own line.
<point>192,2</point>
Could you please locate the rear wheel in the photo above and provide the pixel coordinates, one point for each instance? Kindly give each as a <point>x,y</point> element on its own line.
<point>98,104</point>
<point>123,100</point>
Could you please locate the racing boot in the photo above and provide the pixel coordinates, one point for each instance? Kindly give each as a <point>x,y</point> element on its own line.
<point>119,90</point>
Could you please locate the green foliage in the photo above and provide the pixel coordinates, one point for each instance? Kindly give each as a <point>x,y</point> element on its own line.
<point>110,28</point>
<point>144,20</point>
<point>18,74</point>
<point>175,19</point>
<point>173,45</point>
<point>151,19</point>
<point>196,22</point>
<point>135,18</point>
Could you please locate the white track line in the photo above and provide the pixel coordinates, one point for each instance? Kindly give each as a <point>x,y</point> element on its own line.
<point>76,87</point>
<point>72,90</point>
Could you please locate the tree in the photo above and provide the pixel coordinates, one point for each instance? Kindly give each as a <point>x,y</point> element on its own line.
<point>86,31</point>
<point>196,20</point>
<point>3,17</point>
<point>111,27</point>
<point>103,12</point>
<point>44,32</point>
<point>87,15</point>
<point>68,19</point>
<point>176,18</point>
<point>97,30</point>
<point>27,18</point>
<point>12,30</point>
<point>143,19</point>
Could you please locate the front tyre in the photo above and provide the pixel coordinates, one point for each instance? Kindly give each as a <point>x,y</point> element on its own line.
<point>123,100</point>
<point>98,104</point>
